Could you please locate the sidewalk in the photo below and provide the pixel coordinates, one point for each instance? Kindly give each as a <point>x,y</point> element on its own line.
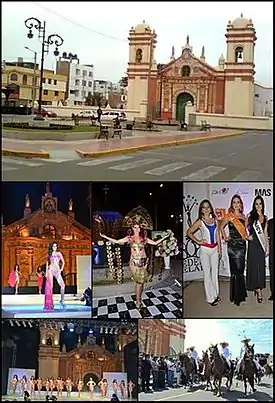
<point>140,141</point>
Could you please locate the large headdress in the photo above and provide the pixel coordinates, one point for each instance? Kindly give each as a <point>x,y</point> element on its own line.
<point>138,216</point>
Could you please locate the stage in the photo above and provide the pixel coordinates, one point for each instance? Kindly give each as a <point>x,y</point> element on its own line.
<point>31,306</point>
<point>84,397</point>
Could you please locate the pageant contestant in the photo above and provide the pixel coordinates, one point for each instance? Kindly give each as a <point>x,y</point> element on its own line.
<point>210,249</point>
<point>115,386</point>
<point>131,386</point>
<point>14,384</point>
<point>258,248</point>
<point>103,384</point>
<point>32,385</point>
<point>39,383</point>
<point>80,385</point>
<point>270,230</point>
<point>14,278</point>
<point>236,248</point>
<point>47,385</point>
<point>54,268</point>
<point>139,261</point>
<point>23,382</point>
<point>40,277</point>
<point>123,389</point>
<point>69,386</point>
<point>91,385</point>
<point>52,385</point>
<point>59,386</point>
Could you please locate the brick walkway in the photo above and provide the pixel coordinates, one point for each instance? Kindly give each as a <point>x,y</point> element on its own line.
<point>140,139</point>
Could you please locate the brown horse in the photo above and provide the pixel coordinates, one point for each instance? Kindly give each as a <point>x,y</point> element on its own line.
<point>268,370</point>
<point>220,370</point>
<point>248,369</point>
<point>189,366</point>
<point>207,370</point>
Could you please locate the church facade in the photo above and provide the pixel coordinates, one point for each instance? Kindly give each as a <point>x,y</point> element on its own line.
<point>163,90</point>
<point>26,241</point>
<point>161,337</point>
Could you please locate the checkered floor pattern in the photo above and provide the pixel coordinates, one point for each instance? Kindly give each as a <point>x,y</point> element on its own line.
<point>159,304</point>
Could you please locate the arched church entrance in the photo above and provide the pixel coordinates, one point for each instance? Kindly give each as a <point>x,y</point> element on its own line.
<point>95,377</point>
<point>182,100</point>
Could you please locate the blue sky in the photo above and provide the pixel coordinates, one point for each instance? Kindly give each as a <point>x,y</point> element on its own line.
<point>97,31</point>
<point>203,332</point>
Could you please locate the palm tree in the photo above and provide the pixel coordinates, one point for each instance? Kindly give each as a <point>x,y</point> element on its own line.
<point>95,99</point>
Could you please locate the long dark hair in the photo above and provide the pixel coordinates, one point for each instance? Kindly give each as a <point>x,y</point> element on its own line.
<point>253,215</point>
<point>142,232</point>
<point>50,250</point>
<point>236,196</point>
<point>16,266</point>
<point>212,212</point>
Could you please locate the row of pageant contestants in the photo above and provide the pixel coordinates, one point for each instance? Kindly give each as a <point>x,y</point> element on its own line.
<point>54,269</point>
<point>51,384</point>
<point>249,242</point>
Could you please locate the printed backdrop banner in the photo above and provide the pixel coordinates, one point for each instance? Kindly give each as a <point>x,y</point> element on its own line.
<point>220,195</point>
<point>119,376</point>
<point>19,372</point>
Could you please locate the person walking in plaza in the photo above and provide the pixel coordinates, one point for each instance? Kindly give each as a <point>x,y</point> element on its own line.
<point>258,248</point>
<point>270,230</point>
<point>236,248</point>
<point>210,249</point>
<point>155,373</point>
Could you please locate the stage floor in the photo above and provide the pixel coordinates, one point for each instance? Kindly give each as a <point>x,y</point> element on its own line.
<point>84,397</point>
<point>31,306</point>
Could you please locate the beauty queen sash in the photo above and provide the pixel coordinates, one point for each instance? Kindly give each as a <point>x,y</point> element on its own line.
<point>240,227</point>
<point>260,233</point>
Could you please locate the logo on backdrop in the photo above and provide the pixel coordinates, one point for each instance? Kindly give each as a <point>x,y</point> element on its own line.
<point>263,192</point>
<point>222,191</point>
<point>191,260</point>
<point>242,192</point>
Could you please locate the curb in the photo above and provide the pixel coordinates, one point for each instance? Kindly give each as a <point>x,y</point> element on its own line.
<point>167,144</point>
<point>26,154</point>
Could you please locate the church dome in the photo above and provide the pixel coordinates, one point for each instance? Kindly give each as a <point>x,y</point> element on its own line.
<point>241,22</point>
<point>142,27</point>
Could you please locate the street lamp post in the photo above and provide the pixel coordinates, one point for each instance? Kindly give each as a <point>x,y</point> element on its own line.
<point>34,76</point>
<point>55,39</point>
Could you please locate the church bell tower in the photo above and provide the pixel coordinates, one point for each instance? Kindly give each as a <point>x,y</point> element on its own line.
<point>239,67</point>
<point>49,354</point>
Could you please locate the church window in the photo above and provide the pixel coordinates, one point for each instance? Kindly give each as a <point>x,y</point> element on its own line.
<point>239,54</point>
<point>138,55</point>
<point>185,71</point>
<point>14,77</point>
<point>49,231</point>
<point>49,341</point>
<point>25,79</point>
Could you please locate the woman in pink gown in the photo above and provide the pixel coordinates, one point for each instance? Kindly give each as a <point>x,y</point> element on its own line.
<point>54,267</point>
<point>14,278</point>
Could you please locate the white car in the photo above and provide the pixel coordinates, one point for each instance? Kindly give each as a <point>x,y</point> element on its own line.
<point>112,115</point>
<point>87,114</point>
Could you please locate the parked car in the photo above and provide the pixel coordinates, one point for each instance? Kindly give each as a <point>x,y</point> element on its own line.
<point>112,115</point>
<point>87,114</point>
<point>45,114</point>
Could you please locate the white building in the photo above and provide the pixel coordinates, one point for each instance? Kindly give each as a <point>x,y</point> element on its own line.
<point>103,87</point>
<point>263,100</point>
<point>80,80</point>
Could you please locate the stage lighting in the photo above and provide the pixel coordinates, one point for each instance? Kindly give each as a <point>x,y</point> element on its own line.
<point>87,297</point>
<point>90,331</point>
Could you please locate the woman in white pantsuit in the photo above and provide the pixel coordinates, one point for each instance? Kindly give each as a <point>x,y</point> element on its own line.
<point>210,249</point>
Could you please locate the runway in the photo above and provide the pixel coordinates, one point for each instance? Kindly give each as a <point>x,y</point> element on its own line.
<point>31,306</point>
<point>84,397</point>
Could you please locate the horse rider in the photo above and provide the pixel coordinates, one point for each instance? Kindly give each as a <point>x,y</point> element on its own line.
<point>192,353</point>
<point>246,346</point>
<point>225,353</point>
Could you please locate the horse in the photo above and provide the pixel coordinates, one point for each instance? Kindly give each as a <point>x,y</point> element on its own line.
<point>207,369</point>
<point>268,370</point>
<point>189,366</point>
<point>248,369</point>
<point>220,370</point>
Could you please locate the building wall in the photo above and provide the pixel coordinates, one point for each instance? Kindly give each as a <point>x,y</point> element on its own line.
<point>263,100</point>
<point>81,83</point>
<point>103,87</point>
<point>54,87</point>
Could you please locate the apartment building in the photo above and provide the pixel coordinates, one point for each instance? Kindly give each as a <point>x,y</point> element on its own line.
<point>80,80</point>
<point>54,88</point>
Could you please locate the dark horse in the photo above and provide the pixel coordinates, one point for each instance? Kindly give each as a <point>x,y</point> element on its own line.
<point>189,366</point>
<point>207,369</point>
<point>268,370</point>
<point>248,368</point>
<point>220,370</point>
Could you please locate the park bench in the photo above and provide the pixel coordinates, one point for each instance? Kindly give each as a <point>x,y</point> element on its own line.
<point>205,126</point>
<point>104,132</point>
<point>117,130</point>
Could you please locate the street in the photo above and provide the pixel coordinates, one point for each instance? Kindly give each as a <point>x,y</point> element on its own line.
<point>242,158</point>
<point>264,393</point>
